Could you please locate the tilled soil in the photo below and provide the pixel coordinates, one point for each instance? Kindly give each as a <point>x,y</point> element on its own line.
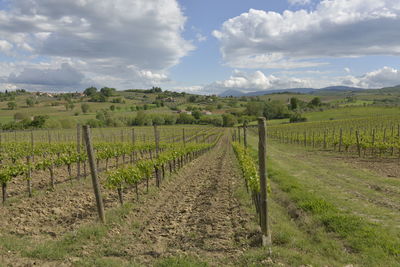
<point>193,213</point>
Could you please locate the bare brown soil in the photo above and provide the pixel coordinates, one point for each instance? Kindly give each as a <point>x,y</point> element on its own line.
<point>193,213</point>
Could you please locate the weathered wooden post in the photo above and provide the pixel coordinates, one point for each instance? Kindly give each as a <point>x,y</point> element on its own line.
<point>358,143</point>
<point>245,134</point>
<point>29,176</point>
<point>133,144</point>
<point>156,137</point>
<point>239,134</point>
<point>183,137</point>
<point>93,171</point>
<point>32,147</point>
<point>78,149</point>
<point>262,157</point>
<point>340,139</point>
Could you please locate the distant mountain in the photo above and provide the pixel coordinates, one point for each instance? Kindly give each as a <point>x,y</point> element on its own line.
<point>291,90</point>
<point>341,88</point>
<point>236,93</point>
<point>231,92</point>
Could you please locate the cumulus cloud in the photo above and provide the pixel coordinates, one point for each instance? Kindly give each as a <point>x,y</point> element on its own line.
<point>65,76</point>
<point>292,39</point>
<point>255,81</point>
<point>384,77</point>
<point>107,36</point>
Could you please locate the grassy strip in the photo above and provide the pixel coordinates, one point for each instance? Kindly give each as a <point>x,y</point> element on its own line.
<point>367,239</point>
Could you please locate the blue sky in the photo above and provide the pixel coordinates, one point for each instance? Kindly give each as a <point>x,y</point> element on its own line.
<point>203,46</point>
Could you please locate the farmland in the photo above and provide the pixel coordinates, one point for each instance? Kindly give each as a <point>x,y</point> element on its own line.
<point>189,195</point>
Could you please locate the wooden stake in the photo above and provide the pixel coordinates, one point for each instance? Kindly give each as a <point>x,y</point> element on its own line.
<point>262,157</point>
<point>29,176</point>
<point>78,149</point>
<point>183,137</point>
<point>245,134</point>
<point>93,171</point>
<point>358,143</point>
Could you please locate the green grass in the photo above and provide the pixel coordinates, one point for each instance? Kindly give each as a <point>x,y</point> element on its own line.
<point>327,226</point>
<point>183,261</point>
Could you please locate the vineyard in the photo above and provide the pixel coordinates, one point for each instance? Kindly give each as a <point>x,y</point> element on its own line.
<point>367,137</point>
<point>200,195</point>
<point>26,160</point>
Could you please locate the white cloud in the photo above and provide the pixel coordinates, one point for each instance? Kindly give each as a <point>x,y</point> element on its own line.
<point>348,70</point>
<point>299,2</point>
<point>5,46</point>
<point>200,37</point>
<point>384,77</point>
<point>336,28</point>
<point>256,81</point>
<point>100,37</point>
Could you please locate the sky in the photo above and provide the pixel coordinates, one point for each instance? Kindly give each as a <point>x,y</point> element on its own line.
<point>203,47</point>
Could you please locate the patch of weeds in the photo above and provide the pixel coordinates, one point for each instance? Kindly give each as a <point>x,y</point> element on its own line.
<point>57,250</point>
<point>101,262</point>
<point>180,262</point>
<point>11,243</point>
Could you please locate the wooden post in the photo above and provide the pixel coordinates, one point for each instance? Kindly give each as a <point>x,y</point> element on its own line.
<point>183,137</point>
<point>93,171</point>
<point>49,136</point>
<point>358,143</point>
<point>133,136</point>
<point>29,176</point>
<point>78,149</point>
<point>340,139</point>
<point>157,140</point>
<point>239,134</point>
<point>262,157</point>
<point>245,134</point>
<point>32,146</point>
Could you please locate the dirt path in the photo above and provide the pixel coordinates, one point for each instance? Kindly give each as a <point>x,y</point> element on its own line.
<point>195,213</point>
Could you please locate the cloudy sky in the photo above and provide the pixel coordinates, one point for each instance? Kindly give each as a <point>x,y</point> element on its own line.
<point>202,46</point>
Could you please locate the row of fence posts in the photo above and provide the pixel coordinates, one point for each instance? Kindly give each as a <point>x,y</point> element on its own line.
<point>262,162</point>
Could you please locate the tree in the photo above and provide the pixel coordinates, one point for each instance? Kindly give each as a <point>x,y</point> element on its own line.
<point>192,98</point>
<point>106,91</point>
<point>294,103</point>
<point>228,120</point>
<point>315,102</point>
<point>141,118</point>
<point>196,114</point>
<point>255,108</point>
<point>184,118</point>
<point>30,102</point>
<point>69,105</point>
<point>275,110</point>
<point>90,91</point>
<point>85,107</point>
<point>12,105</point>
<point>39,121</point>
